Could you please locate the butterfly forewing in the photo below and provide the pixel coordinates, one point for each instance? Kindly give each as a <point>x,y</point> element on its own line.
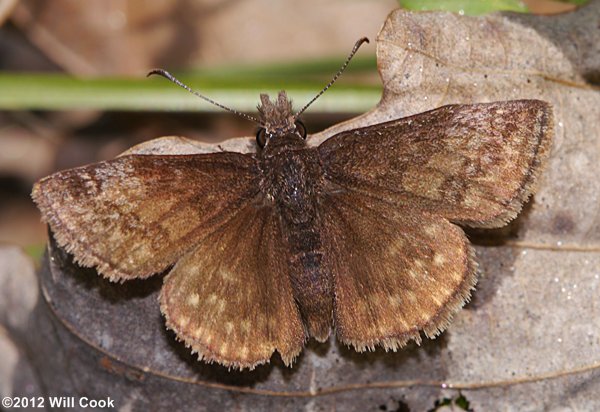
<point>473,164</point>
<point>136,215</point>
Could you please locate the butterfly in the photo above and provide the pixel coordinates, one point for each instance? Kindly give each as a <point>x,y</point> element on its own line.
<point>264,250</point>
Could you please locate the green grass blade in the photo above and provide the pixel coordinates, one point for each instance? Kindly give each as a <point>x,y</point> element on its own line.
<point>470,7</point>
<point>237,88</point>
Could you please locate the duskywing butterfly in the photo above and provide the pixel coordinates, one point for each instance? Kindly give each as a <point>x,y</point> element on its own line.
<point>268,249</point>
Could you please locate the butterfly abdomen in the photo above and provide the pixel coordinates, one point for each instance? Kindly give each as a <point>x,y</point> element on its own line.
<point>310,278</point>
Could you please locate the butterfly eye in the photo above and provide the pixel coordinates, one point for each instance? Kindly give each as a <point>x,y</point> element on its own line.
<point>301,128</point>
<point>261,138</point>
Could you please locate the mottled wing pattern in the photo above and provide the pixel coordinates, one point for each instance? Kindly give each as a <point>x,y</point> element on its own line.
<point>397,270</point>
<point>230,299</point>
<point>473,164</point>
<point>399,265</point>
<point>135,215</point>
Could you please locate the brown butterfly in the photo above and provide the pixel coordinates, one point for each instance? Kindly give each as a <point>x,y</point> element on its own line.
<point>268,249</point>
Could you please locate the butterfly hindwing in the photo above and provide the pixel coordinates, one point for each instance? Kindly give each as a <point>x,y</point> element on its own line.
<point>135,215</point>
<point>473,164</point>
<point>398,271</point>
<point>230,298</point>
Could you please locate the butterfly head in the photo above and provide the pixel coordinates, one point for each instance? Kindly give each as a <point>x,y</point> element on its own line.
<point>278,124</point>
<point>277,121</point>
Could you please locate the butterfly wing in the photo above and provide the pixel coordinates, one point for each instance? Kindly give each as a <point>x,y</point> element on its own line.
<point>397,271</point>
<point>230,298</point>
<point>136,215</point>
<point>473,164</point>
<point>400,266</point>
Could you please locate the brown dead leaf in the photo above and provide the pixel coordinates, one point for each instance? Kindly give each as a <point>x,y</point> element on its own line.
<point>530,340</point>
<point>534,315</point>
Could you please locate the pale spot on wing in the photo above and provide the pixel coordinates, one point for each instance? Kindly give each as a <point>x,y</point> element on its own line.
<point>220,306</point>
<point>198,332</point>
<point>431,230</point>
<point>404,322</point>
<point>395,301</point>
<point>226,275</point>
<point>436,300</point>
<point>208,339</point>
<point>458,276</point>
<point>413,182</point>
<point>445,164</point>
<point>193,300</point>
<point>413,274</point>
<point>439,259</point>
<point>243,353</point>
<point>224,348</point>
<point>444,291</point>
<point>212,298</point>
<point>183,321</point>
<point>473,199</point>
<point>245,326</point>
<point>264,347</point>
<point>228,327</point>
<point>395,248</point>
<point>411,296</point>
<point>428,278</point>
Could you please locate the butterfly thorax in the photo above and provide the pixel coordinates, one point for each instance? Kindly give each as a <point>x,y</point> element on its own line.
<point>291,179</point>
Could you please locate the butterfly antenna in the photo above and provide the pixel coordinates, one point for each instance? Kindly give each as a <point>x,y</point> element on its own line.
<point>338,74</point>
<point>172,78</point>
